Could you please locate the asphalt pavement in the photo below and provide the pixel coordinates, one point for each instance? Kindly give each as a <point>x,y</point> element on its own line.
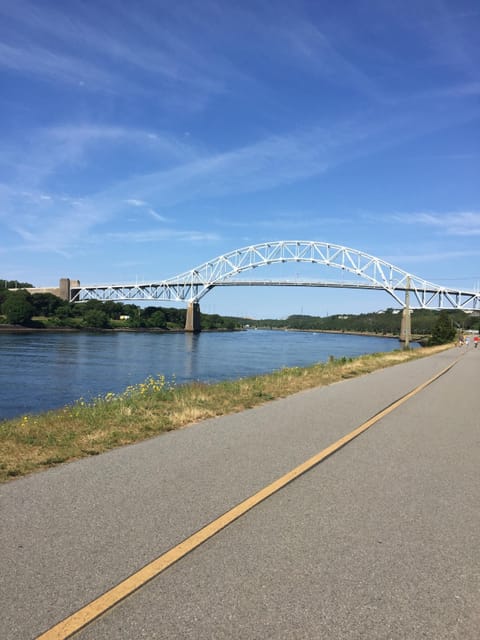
<point>381,540</point>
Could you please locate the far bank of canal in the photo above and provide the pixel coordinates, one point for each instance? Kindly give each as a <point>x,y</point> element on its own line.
<point>42,371</point>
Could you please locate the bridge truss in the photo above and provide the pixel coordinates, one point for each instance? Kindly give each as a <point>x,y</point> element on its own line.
<point>370,273</point>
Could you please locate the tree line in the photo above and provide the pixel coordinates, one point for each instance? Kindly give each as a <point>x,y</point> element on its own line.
<point>382,323</point>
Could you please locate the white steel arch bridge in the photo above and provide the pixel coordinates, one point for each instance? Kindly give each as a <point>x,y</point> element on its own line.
<point>369,271</point>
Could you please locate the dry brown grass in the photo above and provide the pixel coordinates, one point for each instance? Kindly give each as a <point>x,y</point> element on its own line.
<point>35,442</point>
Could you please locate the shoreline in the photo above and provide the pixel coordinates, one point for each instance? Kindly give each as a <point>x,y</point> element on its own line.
<point>20,329</point>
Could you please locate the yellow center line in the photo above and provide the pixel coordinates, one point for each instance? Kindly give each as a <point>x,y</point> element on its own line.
<point>76,621</point>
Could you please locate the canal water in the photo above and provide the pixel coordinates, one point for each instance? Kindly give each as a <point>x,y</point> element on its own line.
<point>47,371</point>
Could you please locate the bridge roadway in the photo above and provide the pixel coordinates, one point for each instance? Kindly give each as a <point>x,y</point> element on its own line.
<point>381,540</point>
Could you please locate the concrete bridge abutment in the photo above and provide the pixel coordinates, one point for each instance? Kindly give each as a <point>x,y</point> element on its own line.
<point>63,291</point>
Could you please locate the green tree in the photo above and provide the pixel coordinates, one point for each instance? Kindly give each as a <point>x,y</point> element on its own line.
<point>229,324</point>
<point>136,321</point>
<point>45,304</point>
<point>17,307</point>
<point>96,319</point>
<point>14,284</point>
<point>157,320</point>
<point>443,330</point>
<point>113,309</point>
<point>65,310</point>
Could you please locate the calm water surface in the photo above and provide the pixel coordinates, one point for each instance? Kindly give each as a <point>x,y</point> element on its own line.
<point>46,371</point>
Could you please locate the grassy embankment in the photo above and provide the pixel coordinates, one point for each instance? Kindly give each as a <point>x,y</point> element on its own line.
<point>34,442</point>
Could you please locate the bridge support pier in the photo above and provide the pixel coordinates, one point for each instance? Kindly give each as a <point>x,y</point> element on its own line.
<point>192,322</point>
<point>406,328</point>
<point>406,324</point>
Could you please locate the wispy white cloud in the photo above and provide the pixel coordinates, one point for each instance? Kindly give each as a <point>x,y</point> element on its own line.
<point>160,147</point>
<point>36,60</point>
<point>464,89</point>
<point>142,204</point>
<point>431,256</point>
<point>467,157</point>
<point>70,44</point>
<point>449,40</point>
<point>270,162</point>
<point>157,216</point>
<point>278,160</point>
<point>279,221</point>
<point>63,231</point>
<point>316,48</point>
<point>185,174</point>
<point>461,223</point>
<point>64,166</point>
<point>154,235</point>
<point>136,203</point>
<point>145,205</point>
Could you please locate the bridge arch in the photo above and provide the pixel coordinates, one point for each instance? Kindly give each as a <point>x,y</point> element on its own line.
<point>371,273</point>
<point>374,272</point>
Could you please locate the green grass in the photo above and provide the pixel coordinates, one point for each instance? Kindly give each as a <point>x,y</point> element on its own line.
<point>33,442</point>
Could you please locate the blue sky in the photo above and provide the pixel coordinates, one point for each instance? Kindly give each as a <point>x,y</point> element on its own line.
<point>139,140</point>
